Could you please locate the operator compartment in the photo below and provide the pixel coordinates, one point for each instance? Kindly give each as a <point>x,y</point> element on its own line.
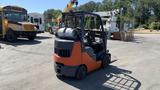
<point>94,37</point>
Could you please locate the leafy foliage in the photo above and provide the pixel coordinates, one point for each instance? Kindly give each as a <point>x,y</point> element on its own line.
<point>141,12</point>
<point>90,7</point>
<point>155,25</point>
<point>52,14</point>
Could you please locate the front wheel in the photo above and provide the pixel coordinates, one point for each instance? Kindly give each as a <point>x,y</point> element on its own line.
<point>81,73</point>
<point>11,36</point>
<point>106,60</point>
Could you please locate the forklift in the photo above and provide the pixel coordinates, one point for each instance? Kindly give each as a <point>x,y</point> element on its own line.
<point>80,45</point>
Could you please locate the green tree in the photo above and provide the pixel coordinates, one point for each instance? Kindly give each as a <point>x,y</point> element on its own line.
<point>155,4</point>
<point>143,12</point>
<point>90,7</point>
<point>107,5</point>
<point>52,14</point>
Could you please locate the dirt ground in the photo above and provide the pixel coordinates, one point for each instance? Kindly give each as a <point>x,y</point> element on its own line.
<point>28,65</point>
<point>146,31</point>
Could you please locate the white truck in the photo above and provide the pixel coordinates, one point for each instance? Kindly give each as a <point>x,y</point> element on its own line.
<point>37,19</point>
<point>109,21</point>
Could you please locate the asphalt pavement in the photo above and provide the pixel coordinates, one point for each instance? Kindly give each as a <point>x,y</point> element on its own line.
<point>28,65</point>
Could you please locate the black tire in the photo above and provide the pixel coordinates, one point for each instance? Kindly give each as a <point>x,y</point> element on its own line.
<point>106,60</point>
<point>51,31</point>
<point>81,73</point>
<point>10,36</point>
<point>31,38</point>
<point>109,58</point>
<point>60,76</point>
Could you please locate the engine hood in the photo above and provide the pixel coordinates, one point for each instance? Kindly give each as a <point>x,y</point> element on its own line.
<point>21,23</point>
<point>22,26</point>
<point>26,23</point>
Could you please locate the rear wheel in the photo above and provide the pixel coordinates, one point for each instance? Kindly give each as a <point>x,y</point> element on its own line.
<point>32,37</point>
<point>11,36</point>
<point>81,73</point>
<point>60,76</point>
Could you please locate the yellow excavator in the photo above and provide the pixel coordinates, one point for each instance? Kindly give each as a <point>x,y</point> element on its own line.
<point>68,8</point>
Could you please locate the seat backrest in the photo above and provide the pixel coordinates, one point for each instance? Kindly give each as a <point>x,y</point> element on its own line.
<point>90,51</point>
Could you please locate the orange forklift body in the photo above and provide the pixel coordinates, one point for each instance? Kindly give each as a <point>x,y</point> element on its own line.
<point>78,58</point>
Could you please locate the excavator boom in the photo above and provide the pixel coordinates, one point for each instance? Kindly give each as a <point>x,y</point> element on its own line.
<point>68,8</point>
<point>70,5</point>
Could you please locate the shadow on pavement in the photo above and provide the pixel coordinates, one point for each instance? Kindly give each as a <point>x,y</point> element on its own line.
<point>137,40</point>
<point>111,78</point>
<point>42,37</point>
<point>21,42</point>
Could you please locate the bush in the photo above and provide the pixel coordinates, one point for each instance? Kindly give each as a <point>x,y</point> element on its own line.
<point>152,25</point>
<point>145,26</point>
<point>158,25</point>
<point>155,25</point>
